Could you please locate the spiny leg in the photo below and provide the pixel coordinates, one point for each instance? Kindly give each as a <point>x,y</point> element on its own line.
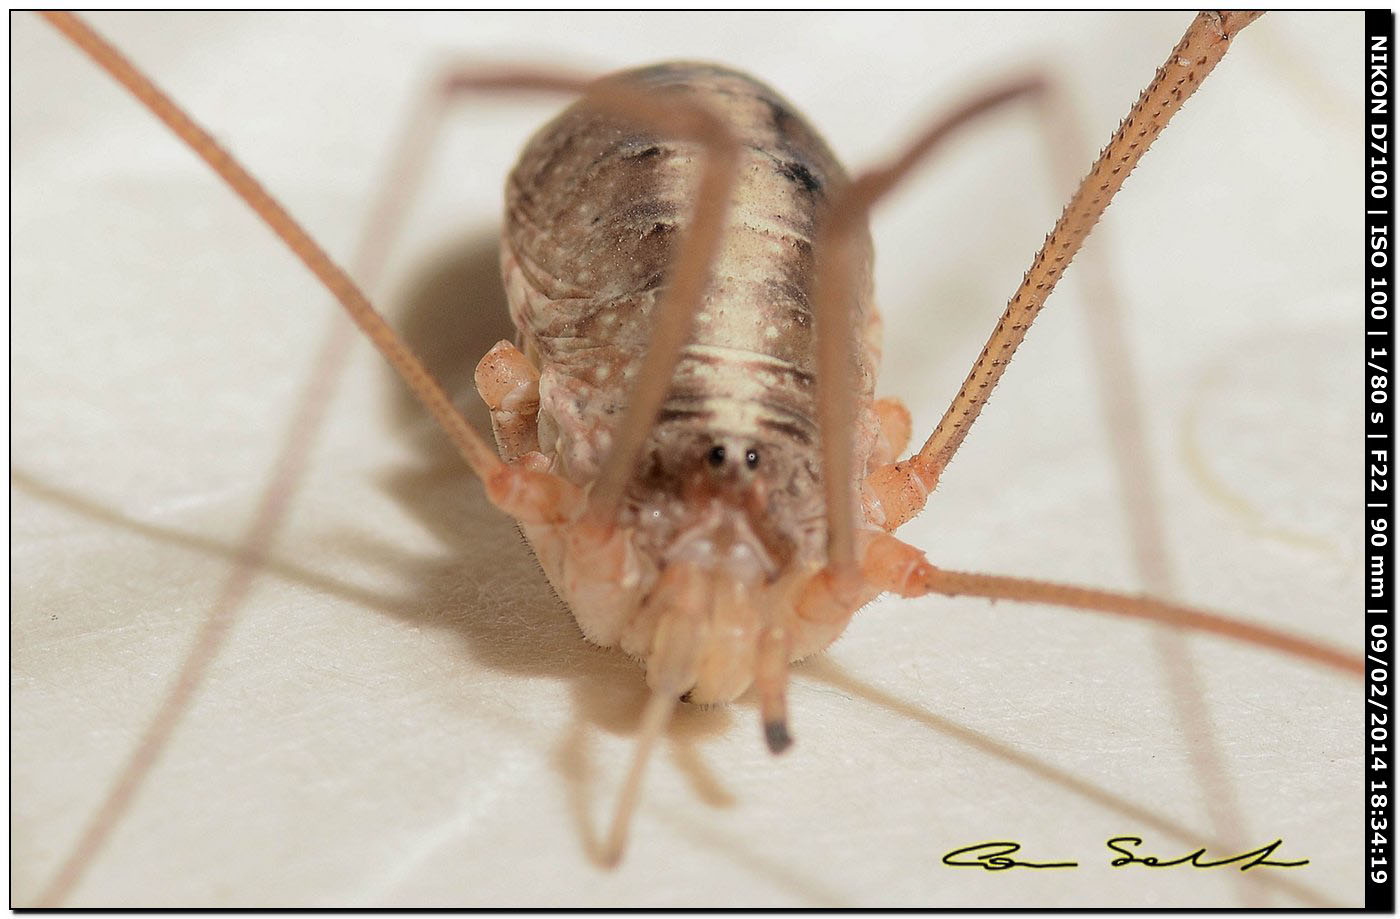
<point>901,489</point>
<point>1122,415</point>
<point>904,487</point>
<point>905,569</point>
<point>1121,406</point>
<point>836,250</point>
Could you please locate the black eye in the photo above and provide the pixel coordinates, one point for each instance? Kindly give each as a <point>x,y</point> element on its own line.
<point>751,459</point>
<point>716,456</point>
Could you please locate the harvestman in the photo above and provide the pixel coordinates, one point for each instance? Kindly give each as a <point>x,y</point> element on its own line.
<point>859,562</point>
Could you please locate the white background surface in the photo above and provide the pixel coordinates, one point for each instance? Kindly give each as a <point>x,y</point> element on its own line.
<point>406,715</point>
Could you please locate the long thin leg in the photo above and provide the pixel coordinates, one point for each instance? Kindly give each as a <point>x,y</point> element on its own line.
<point>249,558</point>
<point>998,587</point>
<point>890,564</point>
<point>528,496</point>
<point>903,493</point>
<point>836,251</point>
<point>1121,406</point>
<point>904,487</point>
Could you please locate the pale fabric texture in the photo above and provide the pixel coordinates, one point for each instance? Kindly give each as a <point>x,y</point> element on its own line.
<point>406,715</point>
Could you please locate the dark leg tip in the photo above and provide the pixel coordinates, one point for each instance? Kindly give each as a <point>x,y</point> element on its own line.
<point>777,735</point>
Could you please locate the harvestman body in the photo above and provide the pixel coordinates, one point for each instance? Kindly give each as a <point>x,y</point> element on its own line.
<point>730,478</point>
<point>689,437</point>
